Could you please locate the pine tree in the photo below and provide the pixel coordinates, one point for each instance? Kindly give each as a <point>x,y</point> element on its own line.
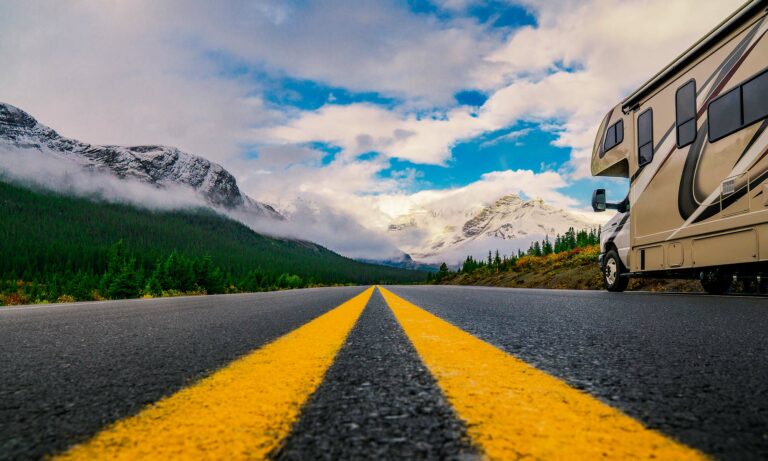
<point>127,283</point>
<point>442,272</point>
<point>546,247</point>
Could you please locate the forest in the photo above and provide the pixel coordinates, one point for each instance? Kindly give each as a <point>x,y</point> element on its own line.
<point>56,248</point>
<point>571,242</point>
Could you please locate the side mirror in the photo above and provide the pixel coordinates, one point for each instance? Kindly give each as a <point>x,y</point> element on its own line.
<point>598,200</point>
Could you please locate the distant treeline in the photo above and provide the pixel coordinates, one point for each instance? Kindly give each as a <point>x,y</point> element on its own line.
<point>124,278</point>
<point>57,248</point>
<point>570,241</point>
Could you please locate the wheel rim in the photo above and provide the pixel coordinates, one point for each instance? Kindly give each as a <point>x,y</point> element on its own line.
<point>611,271</point>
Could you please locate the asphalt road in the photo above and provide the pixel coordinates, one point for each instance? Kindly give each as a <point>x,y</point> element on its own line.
<point>692,367</point>
<point>69,370</point>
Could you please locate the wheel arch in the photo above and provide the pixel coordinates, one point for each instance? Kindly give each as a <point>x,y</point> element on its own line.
<point>611,245</point>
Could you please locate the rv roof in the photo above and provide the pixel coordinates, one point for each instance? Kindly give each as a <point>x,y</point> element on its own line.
<point>731,23</point>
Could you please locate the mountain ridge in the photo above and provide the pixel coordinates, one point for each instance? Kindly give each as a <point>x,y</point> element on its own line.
<point>508,223</point>
<point>157,165</point>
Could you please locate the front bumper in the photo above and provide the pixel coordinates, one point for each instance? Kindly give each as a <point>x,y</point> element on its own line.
<point>601,260</point>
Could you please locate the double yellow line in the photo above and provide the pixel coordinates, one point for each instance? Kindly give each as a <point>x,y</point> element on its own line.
<point>242,411</point>
<point>515,411</point>
<point>511,410</point>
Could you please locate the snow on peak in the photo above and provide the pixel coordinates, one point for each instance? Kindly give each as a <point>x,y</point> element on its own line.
<point>160,166</point>
<point>507,224</point>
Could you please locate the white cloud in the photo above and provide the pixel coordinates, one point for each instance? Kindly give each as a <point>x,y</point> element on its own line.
<point>139,72</point>
<point>579,61</point>
<point>146,72</point>
<point>515,135</point>
<point>614,45</point>
<point>281,157</point>
<point>360,128</point>
<point>338,230</point>
<point>485,191</point>
<point>366,45</point>
<point>44,171</point>
<point>107,73</point>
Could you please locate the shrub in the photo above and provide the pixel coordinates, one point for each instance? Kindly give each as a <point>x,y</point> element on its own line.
<point>65,299</point>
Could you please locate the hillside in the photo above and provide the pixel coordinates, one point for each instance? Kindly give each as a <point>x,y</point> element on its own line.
<point>575,269</point>
<point>47,238</point>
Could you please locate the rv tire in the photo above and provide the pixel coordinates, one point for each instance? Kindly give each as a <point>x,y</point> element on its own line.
<point>612,271</point>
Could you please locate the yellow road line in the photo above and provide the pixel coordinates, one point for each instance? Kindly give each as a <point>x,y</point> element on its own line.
<point>514,410</point>
<point>242,411</point>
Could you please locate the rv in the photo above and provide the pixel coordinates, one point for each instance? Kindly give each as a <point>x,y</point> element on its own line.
<point>693,143</point>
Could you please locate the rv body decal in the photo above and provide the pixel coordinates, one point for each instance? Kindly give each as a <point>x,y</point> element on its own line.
<point>695,203</point>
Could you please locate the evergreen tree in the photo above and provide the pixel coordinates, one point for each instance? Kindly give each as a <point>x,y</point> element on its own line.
<point>546,247</point>
<point>442,272</point>
<point>127,283</point>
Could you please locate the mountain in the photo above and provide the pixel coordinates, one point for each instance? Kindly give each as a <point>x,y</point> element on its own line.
<point>444,233</point>
<point>404,261</point>
<point>53,245</point>
<point>159,166</point>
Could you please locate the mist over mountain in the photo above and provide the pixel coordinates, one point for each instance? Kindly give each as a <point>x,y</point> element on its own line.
<point>164,177</point>
<point>33,150</point>
<point>440,232</point>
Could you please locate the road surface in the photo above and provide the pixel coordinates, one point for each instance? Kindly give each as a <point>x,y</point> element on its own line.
<point>401,372</point>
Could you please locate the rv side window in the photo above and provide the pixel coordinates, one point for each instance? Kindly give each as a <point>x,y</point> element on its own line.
<point>755,97</point>
<point>685,114</point>
<point>614,135</point>
<point>645,137</point>
<point>738,108</point>
<point>724,115</point>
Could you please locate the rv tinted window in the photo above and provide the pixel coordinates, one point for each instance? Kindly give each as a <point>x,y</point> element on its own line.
<point>724,114</point>
<point>685,111</point>
<point>614,135</point>
<point>610,137</point>
<point>645,137</point>
<point>686,133</point>
<point>755,97</point>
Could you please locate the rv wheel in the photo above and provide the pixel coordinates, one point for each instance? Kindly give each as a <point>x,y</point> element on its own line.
<point>715,283</point>
<point>612,270</point>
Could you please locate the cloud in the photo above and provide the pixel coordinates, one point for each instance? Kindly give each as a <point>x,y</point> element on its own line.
<point>567,71</point>
<point>587,58</point>
<point>43,170</point>
<point>186,73</point>
<point>308,220</point>
<point>111,73</point>
<point>363,45</point>
<point>316,222</point>
<point>511,136</point>
<point>281,157</point>
<point>487,190</point>
<point>181,72</point>
<point>363,127</point>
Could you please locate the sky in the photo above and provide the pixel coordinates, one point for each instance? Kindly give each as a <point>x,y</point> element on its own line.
<point>361,110</point>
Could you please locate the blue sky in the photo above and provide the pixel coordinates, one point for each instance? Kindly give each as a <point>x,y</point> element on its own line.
<point>365,109</point>
<point>530,147</point>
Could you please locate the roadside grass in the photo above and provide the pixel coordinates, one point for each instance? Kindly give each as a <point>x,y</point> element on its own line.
<point>21,298</point>
<point>573,270</point>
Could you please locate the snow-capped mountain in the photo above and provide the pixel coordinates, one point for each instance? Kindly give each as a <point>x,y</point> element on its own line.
<point>159,166</point>
<point>447,234</point>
